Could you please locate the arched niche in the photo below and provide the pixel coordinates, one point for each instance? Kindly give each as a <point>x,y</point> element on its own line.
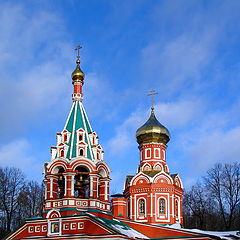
<point>81,182</point>
<point>102,172</point>
<point>60,181</point>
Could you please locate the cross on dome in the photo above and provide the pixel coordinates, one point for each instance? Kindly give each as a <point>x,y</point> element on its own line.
<point>77,49</point>
<point>152,93</point>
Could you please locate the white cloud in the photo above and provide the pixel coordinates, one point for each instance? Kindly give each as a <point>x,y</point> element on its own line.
<point>17,154</point>
<point>171,114</point>
<point>215,146</point>
<point>33,76</point>
<point>179,113</point>
<point>125,133</point>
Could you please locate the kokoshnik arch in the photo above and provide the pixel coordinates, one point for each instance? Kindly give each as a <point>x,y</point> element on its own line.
<point>77,204</point>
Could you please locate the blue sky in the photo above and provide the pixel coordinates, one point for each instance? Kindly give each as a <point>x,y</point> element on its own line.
<point>188,51</point>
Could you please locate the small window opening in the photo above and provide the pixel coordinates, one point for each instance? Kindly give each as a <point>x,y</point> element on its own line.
<point>81,152</point>
<point>80,137</point>
<point>141,207</point>
<point>162,206</point>
<point>148,153</point>
<point>61,153</point>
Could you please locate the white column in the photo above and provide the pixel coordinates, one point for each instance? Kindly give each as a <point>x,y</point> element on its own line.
<point>51,187</point>
<point>72,186</point>
<point>106,191</point>
<point>91,186</point>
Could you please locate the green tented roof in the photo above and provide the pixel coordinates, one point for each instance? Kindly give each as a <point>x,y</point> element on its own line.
<point>77,119</point>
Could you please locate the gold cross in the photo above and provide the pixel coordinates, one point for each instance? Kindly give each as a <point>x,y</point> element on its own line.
<point>152,93</point>
<point>78,49</point>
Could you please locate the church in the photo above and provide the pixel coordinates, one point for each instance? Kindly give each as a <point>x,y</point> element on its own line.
<point>77,202</point>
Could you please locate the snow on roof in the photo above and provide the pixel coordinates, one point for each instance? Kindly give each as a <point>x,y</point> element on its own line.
<point>120,227</point>
<point>227,235</point>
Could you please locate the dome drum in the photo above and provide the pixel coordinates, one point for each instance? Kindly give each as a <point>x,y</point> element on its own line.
<point>153,137</point>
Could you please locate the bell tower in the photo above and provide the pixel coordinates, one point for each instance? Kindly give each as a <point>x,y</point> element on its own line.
<point>77,176</point>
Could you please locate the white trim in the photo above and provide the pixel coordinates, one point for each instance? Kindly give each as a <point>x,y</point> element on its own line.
<point>84,123</point>
<point>72,186</point>
<point>144,166</point>
<point>91,185</point>
<point>136,205</point>
<point>105,192</point>
<point>164,155</point>
<point>65,187</point>
<point>146,155</point>
<point>51,187</point>
<point>151,209</point>
<point>159,154</point>
<point>167,207</point>
<point>87,118</point>
<point>73,132</point>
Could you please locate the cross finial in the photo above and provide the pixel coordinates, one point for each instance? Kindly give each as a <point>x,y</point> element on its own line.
<point>78,50</point>
<point>152,93</point>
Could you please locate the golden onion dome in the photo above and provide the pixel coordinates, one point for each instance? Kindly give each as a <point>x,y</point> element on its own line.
<point>77,74</point>
<point>152,131</point>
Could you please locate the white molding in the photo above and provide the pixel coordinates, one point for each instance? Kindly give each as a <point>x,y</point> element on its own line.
<point>167,199</point>
<point>74,124</point>
<point>84,123</point>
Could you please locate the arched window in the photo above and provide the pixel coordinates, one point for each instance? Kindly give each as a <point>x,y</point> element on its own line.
<point>162,206</point>
<point>81,152</point>
<point>65,138</point>
<point>148,153</point>
<point>141,207</point>
<point>98,156</point>
<point>82,183</point>
<point>62,153</point>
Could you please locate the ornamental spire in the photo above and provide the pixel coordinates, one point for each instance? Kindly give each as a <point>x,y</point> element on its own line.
<point>77,78</point>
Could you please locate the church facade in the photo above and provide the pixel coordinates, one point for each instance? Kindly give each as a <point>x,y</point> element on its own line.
<point>77,202</point>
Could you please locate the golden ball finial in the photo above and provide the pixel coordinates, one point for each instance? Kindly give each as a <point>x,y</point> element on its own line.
<point>152,131</point>
<point>77,74</point>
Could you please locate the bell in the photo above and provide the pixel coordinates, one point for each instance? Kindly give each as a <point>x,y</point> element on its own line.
<point>60,178</point>
<point>81,178</point>
<point>78,185</point>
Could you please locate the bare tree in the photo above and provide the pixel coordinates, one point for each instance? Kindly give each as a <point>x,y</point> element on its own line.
<point>11,184</point>
<point>198,206</point>
<point>19,199</point>
<point>223,182</point>
<point>35,198</point>
<point>214,204</point>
